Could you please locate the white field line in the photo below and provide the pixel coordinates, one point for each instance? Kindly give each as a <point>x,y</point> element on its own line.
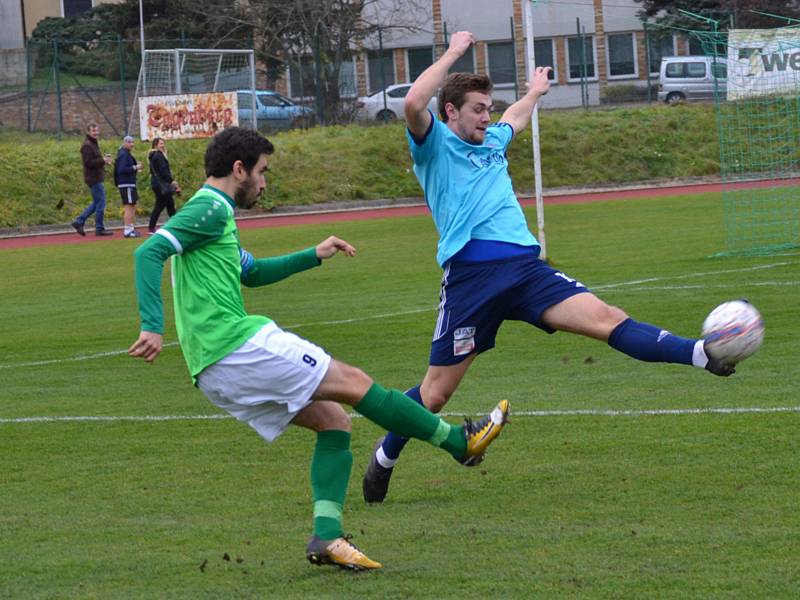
<point>692,275</point>
<point>657,412</point>
<point>608,287</point>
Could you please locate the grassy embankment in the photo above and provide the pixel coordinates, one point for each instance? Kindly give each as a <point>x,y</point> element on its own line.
<point>325,164</point>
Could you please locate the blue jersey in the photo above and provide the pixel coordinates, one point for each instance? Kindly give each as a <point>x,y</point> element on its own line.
<point>468,188</point>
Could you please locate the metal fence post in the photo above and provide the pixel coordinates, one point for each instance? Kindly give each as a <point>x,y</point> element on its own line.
<point>28,85</point>
<point>57,76</point>
<point>647,61</point>
<point>383,75</point>
<point>514,52</point>
<point>122,84</point>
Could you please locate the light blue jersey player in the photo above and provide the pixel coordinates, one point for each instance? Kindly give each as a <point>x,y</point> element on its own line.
<point>492,270</point>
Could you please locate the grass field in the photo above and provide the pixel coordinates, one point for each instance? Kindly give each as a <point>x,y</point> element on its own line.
<point>615,479</point>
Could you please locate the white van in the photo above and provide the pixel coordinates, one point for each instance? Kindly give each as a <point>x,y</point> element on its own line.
<point>684,78</point>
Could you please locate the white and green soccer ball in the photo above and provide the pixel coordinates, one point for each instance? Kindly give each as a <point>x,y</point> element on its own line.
<point>733,331</point>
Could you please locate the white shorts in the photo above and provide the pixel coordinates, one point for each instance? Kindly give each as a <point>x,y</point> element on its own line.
<point>267,380</point>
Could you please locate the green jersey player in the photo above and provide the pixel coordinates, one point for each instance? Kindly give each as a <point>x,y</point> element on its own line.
<point>260,374</point>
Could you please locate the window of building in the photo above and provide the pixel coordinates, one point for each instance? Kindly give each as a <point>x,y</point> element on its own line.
<point>543,51</point>
<point>380,68</point>
<point>76,7</point>
<point>578,67</point>
<point>502,66</point>
<point>419,59</point>
<point>465,64</point>
<point>621,55</point>
<point>695,47</point>
<point>347,79</point>
<point>301,78</point>
<point>659,46</point>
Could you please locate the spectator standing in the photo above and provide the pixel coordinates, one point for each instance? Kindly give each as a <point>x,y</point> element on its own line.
<point>94,173</point>
<point>126,168</point>
<point>163,183</point>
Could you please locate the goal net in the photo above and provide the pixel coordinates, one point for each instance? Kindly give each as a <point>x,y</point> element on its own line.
<point>181,71</point>
<point>757,90</point>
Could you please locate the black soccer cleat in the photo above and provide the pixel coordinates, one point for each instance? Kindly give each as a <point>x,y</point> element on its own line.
<point>376,479</point>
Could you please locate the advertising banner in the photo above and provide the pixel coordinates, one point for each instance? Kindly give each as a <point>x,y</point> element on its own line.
<point>763,62</point>
<point>187,115</point>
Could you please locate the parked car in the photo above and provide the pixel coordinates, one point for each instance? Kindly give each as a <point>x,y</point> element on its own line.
<point>372,107</point>
<point>273,110</point>
<point>684,78</point>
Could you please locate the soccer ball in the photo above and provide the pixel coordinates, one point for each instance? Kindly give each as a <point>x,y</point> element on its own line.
<point>733,331</point>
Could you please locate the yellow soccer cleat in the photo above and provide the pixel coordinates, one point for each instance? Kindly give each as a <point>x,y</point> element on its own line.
<point>482,433</point>
<point>339,552</point>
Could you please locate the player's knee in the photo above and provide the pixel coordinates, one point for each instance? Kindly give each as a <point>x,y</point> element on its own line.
<point>435,399</point>
<point>356,377</point>
<point>614,316</point>
<point>335,417</point>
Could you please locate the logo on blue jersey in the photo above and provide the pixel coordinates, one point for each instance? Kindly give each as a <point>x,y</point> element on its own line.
<point>481,162</point>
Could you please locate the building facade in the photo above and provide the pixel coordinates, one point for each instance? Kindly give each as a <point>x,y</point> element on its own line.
<point>591,45</point>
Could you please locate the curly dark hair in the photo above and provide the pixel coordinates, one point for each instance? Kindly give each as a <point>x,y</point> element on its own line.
<point>455,87</point>
<point>232,144</point>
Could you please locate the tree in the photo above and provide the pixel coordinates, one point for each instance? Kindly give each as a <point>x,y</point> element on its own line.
<point>311,35</point>
<point>729,13</point>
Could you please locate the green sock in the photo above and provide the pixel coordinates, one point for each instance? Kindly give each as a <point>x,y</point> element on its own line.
<point>330,473</point>
<point>396,412</point>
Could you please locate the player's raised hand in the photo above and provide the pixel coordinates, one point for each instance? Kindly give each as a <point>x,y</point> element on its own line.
<point>148,346</point>
<point>460,42</point>
<point>539,82</point>
<point>329,247</point>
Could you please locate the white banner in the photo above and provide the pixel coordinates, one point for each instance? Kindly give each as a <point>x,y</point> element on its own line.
<point>763,62</point>
<point>187,115</point>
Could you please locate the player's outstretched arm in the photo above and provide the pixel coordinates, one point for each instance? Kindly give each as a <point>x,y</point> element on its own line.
<point>518,115</point>
<point>264,271</point>
<point>416,103</point>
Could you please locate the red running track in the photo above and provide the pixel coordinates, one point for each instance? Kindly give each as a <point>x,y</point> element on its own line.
<point>26,241</point>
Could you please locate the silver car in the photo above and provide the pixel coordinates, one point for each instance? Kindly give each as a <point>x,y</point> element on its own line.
<point>683,78</point>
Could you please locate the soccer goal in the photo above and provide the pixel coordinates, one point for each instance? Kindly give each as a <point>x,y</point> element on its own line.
<point>757,89</point>
<point>181,71</point>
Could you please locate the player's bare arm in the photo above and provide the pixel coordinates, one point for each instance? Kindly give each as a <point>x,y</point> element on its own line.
<point>148,346</point>
<point>332,245</point>
<point>418,118</point>
<point>518,115</point>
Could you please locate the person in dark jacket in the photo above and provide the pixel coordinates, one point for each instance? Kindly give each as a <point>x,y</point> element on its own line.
<point>163,183</point>
<point>125,170</point>
<point>94,173</point>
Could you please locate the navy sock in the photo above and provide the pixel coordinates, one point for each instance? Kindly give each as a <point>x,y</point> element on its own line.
<point>645,342</point>
<point>393,444</point>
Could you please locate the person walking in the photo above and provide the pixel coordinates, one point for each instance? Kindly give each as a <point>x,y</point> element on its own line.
<point>94,173</point>
<point>262,375</point>
<point>126,168</point>
<point>162,182</point>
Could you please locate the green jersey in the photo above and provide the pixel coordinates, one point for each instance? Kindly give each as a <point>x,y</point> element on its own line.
<point>203,241</point>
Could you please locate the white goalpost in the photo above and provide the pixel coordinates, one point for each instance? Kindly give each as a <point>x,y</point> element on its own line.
<point>182,71</point>
<point>537,158</point>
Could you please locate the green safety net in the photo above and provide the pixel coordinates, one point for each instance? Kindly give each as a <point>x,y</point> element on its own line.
<point>757,92</point>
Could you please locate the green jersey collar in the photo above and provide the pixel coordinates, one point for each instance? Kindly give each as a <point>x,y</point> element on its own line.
<point>220,193</point>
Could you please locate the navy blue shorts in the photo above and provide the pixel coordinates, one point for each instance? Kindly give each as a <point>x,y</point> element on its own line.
<point>476,297</point>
